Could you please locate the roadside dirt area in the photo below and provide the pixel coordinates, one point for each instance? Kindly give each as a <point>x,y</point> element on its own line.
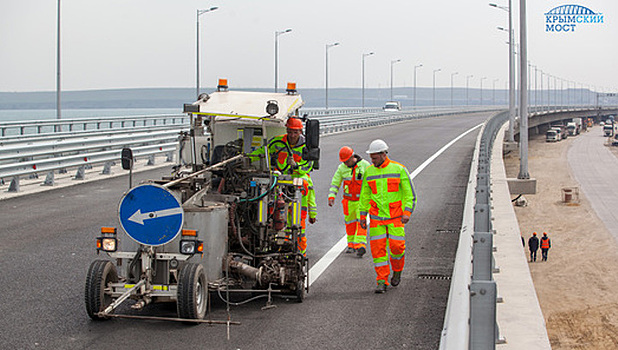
<point>577,284</point>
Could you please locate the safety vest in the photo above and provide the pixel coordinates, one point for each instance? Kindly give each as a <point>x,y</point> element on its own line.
<point>545,243</point>
<point>278,151</point>
<point>352,179</point>
<point>387,193</point>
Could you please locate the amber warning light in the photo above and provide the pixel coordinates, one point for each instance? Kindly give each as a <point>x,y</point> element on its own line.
<point>222,85</point>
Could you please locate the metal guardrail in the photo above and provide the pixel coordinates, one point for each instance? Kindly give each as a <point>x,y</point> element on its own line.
<point>484,332</point>
<point>99,141</point>
<point>83,124</point>
<point>470,318</point>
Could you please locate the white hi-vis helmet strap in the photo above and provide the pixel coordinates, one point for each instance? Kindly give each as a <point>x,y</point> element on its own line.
<point>377,146</point>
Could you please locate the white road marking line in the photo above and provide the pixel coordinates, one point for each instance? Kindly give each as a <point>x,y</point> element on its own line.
<point>330,256</point>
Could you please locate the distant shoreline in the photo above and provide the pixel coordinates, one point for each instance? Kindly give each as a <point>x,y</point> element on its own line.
<point>313,97</point>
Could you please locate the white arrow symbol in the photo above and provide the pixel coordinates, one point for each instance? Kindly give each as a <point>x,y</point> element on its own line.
<point>139,218</point>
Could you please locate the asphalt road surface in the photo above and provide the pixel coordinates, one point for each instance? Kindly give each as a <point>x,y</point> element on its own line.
<point>47,244</point>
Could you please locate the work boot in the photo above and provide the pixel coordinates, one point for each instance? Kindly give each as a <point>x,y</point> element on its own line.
<point>396,278</point>
<point>350,250</point>
<point>381,288</point>
<point>361,251</point>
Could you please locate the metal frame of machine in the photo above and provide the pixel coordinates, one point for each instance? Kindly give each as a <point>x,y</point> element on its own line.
<point>234,227</point>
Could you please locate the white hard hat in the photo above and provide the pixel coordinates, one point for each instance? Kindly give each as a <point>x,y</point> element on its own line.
<point>377,146</point>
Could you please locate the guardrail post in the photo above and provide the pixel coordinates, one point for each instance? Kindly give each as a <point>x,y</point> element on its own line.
<point>49,179</point>
<point>107,168</point>
<point>482,256</point>
<point>14,186</point>
<point>482,218</point>
<point>81,173</point>
<point>483,328</point>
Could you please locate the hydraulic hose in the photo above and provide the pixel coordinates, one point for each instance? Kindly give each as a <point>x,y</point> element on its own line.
<point>263,194</point>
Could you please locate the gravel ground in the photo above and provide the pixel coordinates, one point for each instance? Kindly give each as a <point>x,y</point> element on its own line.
<point>576,286</point>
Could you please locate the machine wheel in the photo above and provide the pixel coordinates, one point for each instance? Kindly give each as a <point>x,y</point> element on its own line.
<point>300,290</point>
<point>100,274</point>
<point>192,292</point>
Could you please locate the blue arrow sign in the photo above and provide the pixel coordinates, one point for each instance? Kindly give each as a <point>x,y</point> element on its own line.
<point>150,214</point>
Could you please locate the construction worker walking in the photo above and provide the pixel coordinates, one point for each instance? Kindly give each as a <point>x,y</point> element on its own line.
<point>388,196</point>
<point>545,245</point>
<point>350,173</point>
<point>533,245</point>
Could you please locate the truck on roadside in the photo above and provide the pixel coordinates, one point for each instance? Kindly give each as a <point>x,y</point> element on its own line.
<point>572,128</point>
<point>561,129</point>
<point>608,130</point>
<point>552,135</point>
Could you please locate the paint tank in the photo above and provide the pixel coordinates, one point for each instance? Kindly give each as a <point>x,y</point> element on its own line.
<point>210,219</point>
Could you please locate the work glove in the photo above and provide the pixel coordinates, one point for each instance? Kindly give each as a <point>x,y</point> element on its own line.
<point>405,219</point>
<point>331,202</point>
<point>312,220</point>
<point>291,162</point>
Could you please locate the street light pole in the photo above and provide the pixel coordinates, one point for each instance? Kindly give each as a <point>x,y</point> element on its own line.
<point>434,85</point>
<point>363,76</point>
<point>509,9</point>
<point>197,49</point>
<point>483,78</point>
<point>392,63</point>
<point>420,65</point>
<point>540,104</point>
<point>277,33</point>
<point>328,46</point>
<point>536,91</point>
<point>452,75</point>
<point>467,88</point>
<point>523,94</point>
<point>58,88</point>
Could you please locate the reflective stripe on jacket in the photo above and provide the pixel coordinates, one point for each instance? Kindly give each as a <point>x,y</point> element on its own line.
<point>545,243</point>
<point>352,179</point>
<point>308,202</point>
<point>387,193</point>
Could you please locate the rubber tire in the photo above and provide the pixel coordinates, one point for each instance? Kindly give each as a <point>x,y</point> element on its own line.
<point>192,293</point>
<point>100,274</point>
<point>300,291</point>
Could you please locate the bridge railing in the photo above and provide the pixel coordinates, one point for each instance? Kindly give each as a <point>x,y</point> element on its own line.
<point>470,318</point>
<point>43,149</point>
<point>54,126</point>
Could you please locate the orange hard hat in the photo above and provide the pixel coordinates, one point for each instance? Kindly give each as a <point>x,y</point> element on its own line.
<point>294,123</point>
<point>534,233</point>
<point>345,153</point>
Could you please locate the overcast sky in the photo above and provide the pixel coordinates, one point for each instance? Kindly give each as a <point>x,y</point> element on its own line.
<point>151,43</point>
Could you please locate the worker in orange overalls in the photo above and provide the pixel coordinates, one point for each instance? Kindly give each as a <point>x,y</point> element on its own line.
<point>350,173</point>
<point>286,152</point>
<point>545,245</point>
<point>387,195</point>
